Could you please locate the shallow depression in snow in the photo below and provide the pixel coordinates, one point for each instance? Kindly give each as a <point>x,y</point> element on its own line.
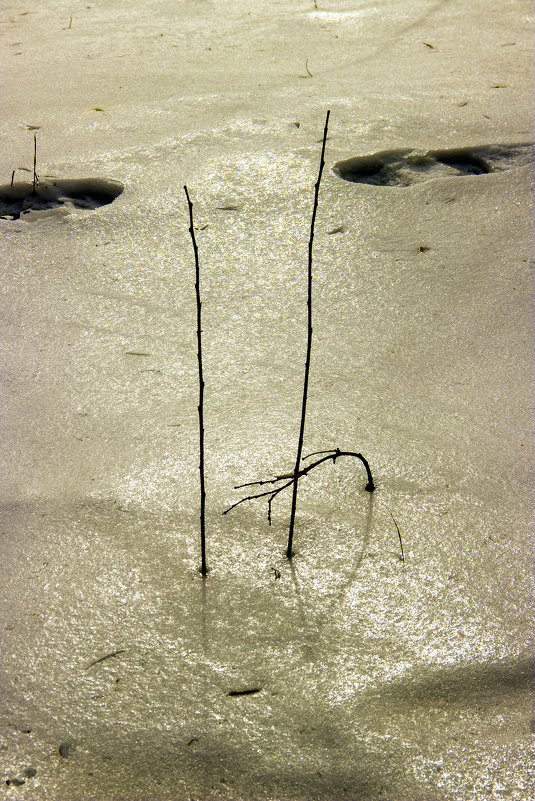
<point>21,198</point>
<point>407,167</point>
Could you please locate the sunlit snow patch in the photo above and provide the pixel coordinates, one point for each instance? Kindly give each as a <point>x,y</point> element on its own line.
<point>84,193</point>
<point>343,16</point>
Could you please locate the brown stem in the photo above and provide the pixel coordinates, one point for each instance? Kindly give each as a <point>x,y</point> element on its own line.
<point>204,569</point>
<point>309,348</point>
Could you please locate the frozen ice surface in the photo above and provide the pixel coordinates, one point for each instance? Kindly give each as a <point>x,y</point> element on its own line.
<point>123,672</point>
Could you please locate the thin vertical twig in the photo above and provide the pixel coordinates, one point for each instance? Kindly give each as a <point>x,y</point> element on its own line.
<point>309,348</point>
<point>204,569</point>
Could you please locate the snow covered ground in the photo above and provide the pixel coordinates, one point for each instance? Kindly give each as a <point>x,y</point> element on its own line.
<point>373,678</point>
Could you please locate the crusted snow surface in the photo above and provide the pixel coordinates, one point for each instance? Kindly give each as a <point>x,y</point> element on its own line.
<point>346,673</point>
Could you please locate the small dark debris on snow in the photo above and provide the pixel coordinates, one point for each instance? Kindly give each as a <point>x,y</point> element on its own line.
<point>29,772</point>
<point>65,748</point>
<point>423,249</point>
<point>15,782</point>
<point>245,691</point>
<point>338,230</point>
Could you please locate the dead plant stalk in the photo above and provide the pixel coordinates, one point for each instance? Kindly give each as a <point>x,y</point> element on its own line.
<point>281,482</point>
<point>309,347</point>
<point>204,568</point>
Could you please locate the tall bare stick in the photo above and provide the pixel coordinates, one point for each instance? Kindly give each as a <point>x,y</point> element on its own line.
<point>279,483</point>
<point>204,569</point>
<point>309,349</point>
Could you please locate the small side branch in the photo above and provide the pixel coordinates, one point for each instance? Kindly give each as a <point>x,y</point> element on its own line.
<point>399,535</point>
<point>288,479</point>
<point>204,568</point>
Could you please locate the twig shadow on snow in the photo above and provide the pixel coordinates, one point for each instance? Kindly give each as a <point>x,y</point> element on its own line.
<point>339,596</point>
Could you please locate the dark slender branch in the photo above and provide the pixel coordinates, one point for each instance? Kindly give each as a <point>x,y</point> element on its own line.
<point>204,569</point>
<point>399,535</point>
<point>265,481</point>
<point>270,494</point>
<point>290,480</point>
<point>103,658</point>
<point>309,348</point>
<point>316,453</point>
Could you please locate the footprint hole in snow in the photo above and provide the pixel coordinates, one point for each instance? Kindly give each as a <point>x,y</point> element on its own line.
<point>20,198</point>
<point>405,167</point>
